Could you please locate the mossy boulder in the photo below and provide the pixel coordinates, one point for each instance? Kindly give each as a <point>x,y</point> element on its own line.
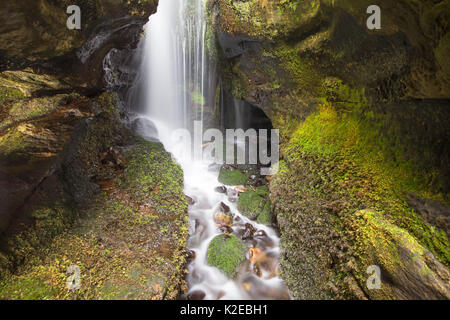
<point>232,177</point>
<point>265,217</point>
<point>226,253</point>
<point>256,205</point>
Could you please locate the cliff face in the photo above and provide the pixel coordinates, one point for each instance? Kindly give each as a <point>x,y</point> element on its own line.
<point>46,70</point>
<point>69,167</point>
<point>34,34</point>
<point>364,119</point>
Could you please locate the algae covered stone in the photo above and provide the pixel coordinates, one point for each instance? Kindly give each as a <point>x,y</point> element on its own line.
<point>226,253</point>
<point>253,205</point>
<point>265,217</point>
<point>232,177</point>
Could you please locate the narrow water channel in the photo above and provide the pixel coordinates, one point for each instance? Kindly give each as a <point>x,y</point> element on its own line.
<point>176,87</point>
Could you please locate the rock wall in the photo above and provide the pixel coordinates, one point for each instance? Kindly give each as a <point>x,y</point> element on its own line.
<point>364,119</point>
<point>71,172</point>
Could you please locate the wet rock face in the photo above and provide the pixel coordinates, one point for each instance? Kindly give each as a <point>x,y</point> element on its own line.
<point>44,71</point>
<point>295,59</point>
<point>434,212</point>
<point>336,31</point>
<point>67,159</point>
<point>145,128</point>
<point>35,31</point>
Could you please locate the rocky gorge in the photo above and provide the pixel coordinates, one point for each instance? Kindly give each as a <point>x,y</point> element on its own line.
<point>363,176</point>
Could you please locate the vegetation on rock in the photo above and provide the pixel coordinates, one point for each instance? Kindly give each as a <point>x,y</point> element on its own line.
<point>353,135</point>
<point>232,177</point>
<point>226,252</point>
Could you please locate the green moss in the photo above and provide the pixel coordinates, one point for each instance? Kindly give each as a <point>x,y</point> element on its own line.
<point>30,109</point>
<point>378,243</point>
<point>28,288</point>
<point>373,174</point>
<point>265,19</point>
<point>250,204</point>
<point>197,98</point>
<point>301,69</point>
<point>8,94</point>
<point>226,252</point>
<point>265,217</point>
<point>262,191</point>
<point>232,177</point>
<point>152,175</point>
<point>14,142</point>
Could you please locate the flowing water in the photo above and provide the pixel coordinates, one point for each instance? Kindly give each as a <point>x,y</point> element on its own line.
<point>175,87</point>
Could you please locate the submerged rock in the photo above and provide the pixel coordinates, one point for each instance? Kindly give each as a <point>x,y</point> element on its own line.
<point>248,232</point>
<point>233,196</point>
<point>226,252</point>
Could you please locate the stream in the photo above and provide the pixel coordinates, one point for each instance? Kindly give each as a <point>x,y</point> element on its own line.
<point>175,86</point>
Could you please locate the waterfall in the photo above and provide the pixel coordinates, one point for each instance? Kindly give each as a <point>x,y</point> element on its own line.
<point>174,64</point>
<point>175,89</point>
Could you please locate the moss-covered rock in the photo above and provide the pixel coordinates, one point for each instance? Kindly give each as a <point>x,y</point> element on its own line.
<point>226,252</point>
<point>30,109</point>
<point>232,177</point>
<point>353,134</point>
<point>125,246</point>
<point>256,205</point>
<point>417,274</point>
<point>266,217</point>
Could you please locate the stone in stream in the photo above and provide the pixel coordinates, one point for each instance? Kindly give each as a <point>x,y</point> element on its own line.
<point>227,253</point>
<point>190,255</point>
<point>224,207</point>
<point>262,291</point>
<point>221,189</point>
<point>226,230</point>
<point>231,176</point>
<point>255,205</point>
<point>260,233</point>
<point>263,241</point>
<point>240,189</point>
<point>264,262</point>
<point>199,228</point>
<point>190,200</point>
<point>248,232</point>
<point>223,219</point>
<point>196,295</point>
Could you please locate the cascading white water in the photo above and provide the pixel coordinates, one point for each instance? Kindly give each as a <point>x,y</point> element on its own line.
<point>175,77</point>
